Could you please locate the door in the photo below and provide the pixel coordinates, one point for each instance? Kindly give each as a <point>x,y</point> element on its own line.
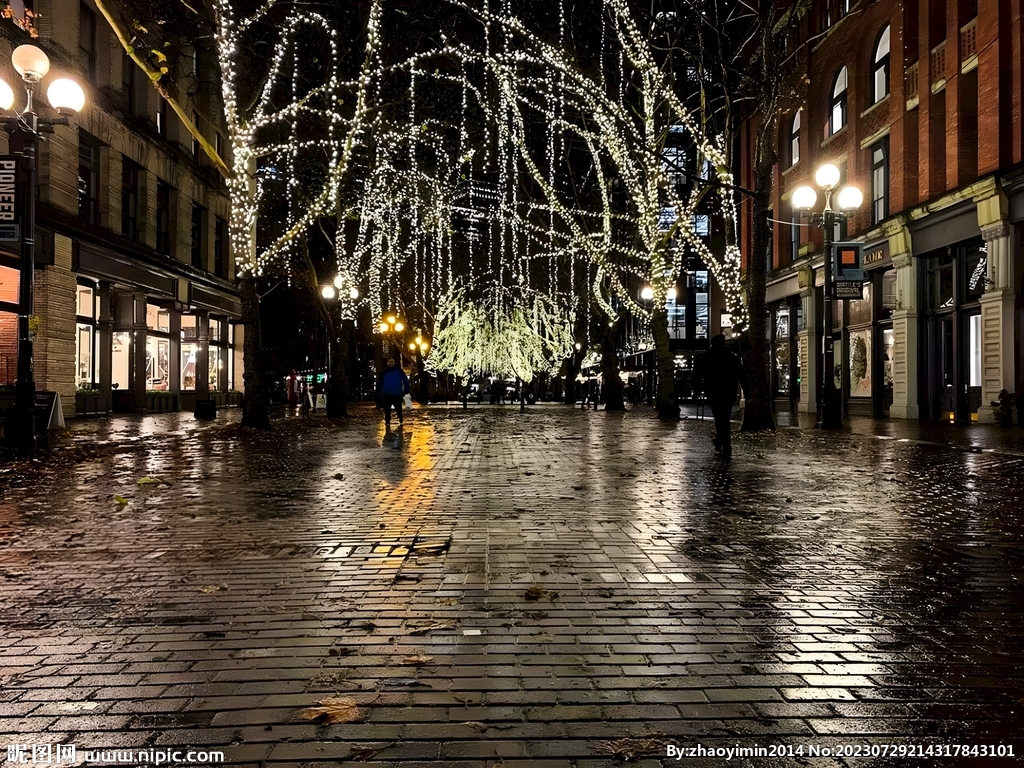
<point>943,354</point>
<point>972,364</point>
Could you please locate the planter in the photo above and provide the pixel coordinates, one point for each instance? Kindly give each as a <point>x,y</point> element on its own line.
<point>161,402</point>
<point>91,404</point>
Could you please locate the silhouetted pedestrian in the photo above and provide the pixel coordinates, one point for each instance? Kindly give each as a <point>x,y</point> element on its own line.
<point>721,373</point>
<point>393,387</point>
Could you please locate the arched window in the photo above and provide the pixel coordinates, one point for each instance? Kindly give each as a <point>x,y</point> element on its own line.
<point>794,139</point>
<point>837,113</point>
<point>880,68</point>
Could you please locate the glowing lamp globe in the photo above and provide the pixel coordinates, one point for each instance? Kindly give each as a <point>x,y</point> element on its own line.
<point>850,199</point>
<point>328,292</point>
<point>383,327</point>
<point>353,293</point>
<point>647,293</point>
<point>399,326</point>
<point>339,282</point>
<point>30,62</point>
<point>412,347</point>
<point>65,95</point>
<point>827,176</point>
<point>6,96</point>
<point>804,198</point>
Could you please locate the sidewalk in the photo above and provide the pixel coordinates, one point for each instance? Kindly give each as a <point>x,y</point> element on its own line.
<point>554,589</point>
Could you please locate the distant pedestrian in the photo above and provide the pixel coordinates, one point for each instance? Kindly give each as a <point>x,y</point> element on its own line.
<point>721,373</point>
<point>393,387</point>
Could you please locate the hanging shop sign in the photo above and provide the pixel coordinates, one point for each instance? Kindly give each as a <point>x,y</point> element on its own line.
<point>10,229</point>
<point>848,270</point>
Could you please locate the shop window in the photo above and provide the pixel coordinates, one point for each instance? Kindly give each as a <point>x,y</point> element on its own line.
<point>940,283</point>
<point>8,348</point>
<point>975,272</point>
<point>189,352</point>
<point>860,363</point>
<point>858,311</point>
<point>158,319</point>
<point>163,218</point>
<point>702,286</point>
<point>216,365</point>
<point>838,104</point>
<point>120,360</point>
<point>216,329</point>
<point>880,68</point>
<point>794,138</point>
<point>782,351</point>
<point>676,309</point>
<point>130,181</point>
<point>888,304</point>
<point>974,351</point>
<point>85,337</point>
<point>88,178</point>
<point>189,328</point>
<point>158,357</point>
<point>880,180</point>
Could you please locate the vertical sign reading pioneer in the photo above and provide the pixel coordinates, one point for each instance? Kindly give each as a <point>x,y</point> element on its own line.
<point>10,230</point>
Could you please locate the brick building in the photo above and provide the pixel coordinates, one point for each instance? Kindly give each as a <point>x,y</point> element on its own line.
<point>918,102</point>
<point>134,285</point>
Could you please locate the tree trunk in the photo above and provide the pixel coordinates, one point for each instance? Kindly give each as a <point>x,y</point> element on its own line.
<point>758,412</point>
<point>611,381</point>
<point>423,397</point>
<point>667,406</point>
<point>255,410</point>
<point>337,397</point>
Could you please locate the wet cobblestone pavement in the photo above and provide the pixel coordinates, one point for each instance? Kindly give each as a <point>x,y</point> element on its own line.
<point>554,589</point>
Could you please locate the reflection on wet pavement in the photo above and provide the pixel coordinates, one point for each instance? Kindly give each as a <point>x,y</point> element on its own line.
<point>553,588</point>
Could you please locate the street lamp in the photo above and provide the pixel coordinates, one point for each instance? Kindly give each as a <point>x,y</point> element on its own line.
<point>849,199</point>
<point>65,96</point>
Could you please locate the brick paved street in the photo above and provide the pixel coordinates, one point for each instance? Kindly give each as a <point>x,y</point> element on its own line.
<point>559,588</point>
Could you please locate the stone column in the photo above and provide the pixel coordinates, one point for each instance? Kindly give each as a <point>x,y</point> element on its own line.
<point>906,330</point>
<point>174,351</point>
<point>139,333</point>
<point>105,331</point>
<point>809,345</point>
<point>998,310</point>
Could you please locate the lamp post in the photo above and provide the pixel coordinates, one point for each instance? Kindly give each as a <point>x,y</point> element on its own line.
<point>389,325</point>
<point>419,347</point>
<point>849,199</point>
<point>64,95</point>
<point>647,296</point>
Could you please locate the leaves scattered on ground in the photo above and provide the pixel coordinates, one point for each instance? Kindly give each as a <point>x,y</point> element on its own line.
<point>211,588</point>
<point>633,749</point>
<point>540,593</point>
<point>446,624</point>
<point>416,660</point>
<point>333,710</point>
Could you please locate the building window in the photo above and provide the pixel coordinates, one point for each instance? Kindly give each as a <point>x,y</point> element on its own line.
<point>189,349</point>
<point>794,139</point>
<point>163,218</point>
<point>197,236</point>
<point>88,178</point>
<point>87,38</point>
<point>130,173</point>
<point>837,113</point>
<point>220,248</point>
<point>161,117</point>
<point>794,235</point>
<point>880,68</point>
<point>129,81</point>
<point>880,180</point>
<point>158,348</point>
<point>197,150</point>
<point>85,337</point>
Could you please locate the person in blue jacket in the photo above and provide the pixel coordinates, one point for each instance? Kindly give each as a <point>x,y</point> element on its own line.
<point>394,385</point>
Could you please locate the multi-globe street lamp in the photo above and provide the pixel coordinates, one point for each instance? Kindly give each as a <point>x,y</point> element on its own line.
<point>64,96</point>
<point>333,294</point>
<point>848,199</point>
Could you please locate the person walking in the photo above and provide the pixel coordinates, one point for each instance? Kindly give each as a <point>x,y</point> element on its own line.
<point>721,373</point>
<point>393,387</point>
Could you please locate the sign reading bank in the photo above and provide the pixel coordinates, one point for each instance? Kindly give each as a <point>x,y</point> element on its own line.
<point>10,231</point>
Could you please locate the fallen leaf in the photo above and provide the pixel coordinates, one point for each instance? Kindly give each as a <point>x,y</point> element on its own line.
<point>539,593</point>
<point>213,588</point>
<point>332,711</point>
<point>417,660</point>
<point>631,749</point>
<point>121,500</point>
<point>340,651</point>
<point>403,682</point>
<point>362,755</point>
<point>151,481</point>
<point>448,624</point>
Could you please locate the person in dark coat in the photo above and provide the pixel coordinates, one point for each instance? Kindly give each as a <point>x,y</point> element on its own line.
<point>394,385</point>
<point>721,373</point>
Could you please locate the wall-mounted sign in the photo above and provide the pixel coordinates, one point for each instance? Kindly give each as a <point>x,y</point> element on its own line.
<point>848,263</point>
<point>10,229</point>
<point>848,289</point>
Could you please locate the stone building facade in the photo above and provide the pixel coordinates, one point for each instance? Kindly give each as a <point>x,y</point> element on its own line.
<point>134,286</point>
<point>919,104</point>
